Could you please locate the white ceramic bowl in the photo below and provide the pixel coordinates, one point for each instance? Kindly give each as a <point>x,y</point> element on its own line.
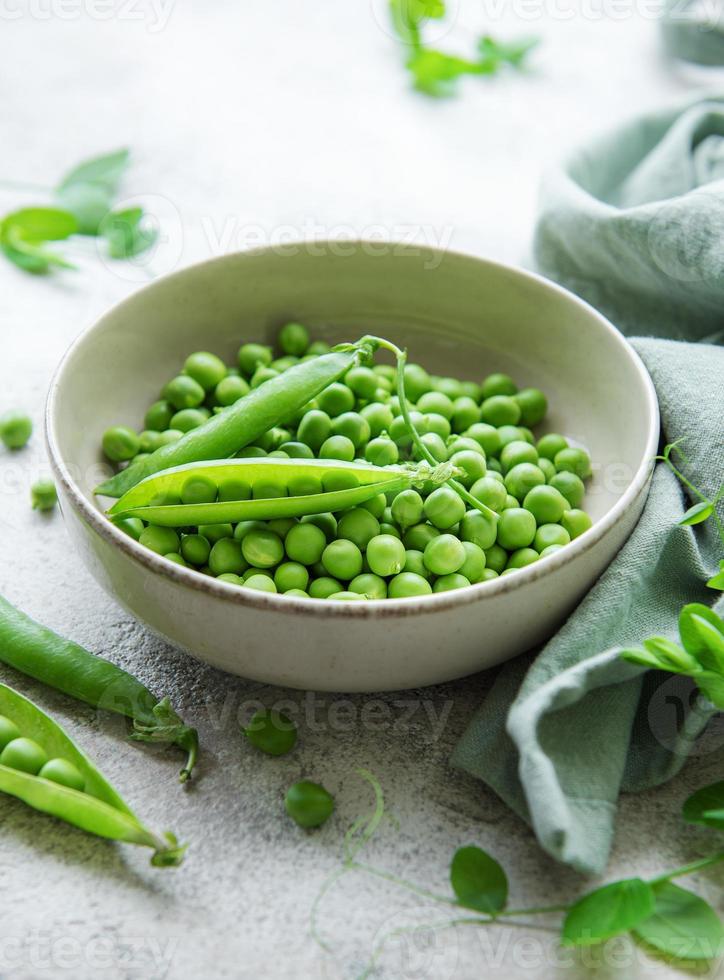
<point>457,315</point>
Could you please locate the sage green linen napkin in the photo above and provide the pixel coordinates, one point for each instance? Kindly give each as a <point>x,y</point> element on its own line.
<point>627,225</point>
<point>694,32</point>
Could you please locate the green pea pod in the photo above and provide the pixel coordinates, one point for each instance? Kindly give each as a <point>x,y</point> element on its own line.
<point>98,808</point>
<point>40,653</point>
<point>264,407</point>
<point>140,501</point>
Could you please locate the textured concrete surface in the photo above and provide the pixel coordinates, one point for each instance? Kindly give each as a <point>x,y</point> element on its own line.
<point>250,123</point>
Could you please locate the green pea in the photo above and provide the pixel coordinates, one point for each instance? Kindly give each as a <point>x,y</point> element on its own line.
<point>230,390</point>
<point>417,381</point>
<point>205,368</point>
<point>547,468</point>
<point>498,384</point>
<point>381,451</point>
<point>550,550</point>
<point>358,526</point>
<point>408,584</point>
<point>376,505</point>
<point>473,566</point>
<point>342,559</point>
<point>489,491</point>
<point>522,478</point>
<point>326,522</point>
<point>363,382</point>
<point>43,495</point>
<point>169,436</point>
<point>176,558</point>
<point>479,529</point>
<point>262,549</point>
<point>496,558</point>
<point>378,416</point>
<point>282,364</point>
<point>407,508</point>
<point>522,557</point>
<point>64,773</point>
<point>132,526</point>
<point>353,426</point>
<point>416,538</point>
<point>444,508</point>
<point>414,562</point>
<point>188,419</point>
<point>309,804</point>
<point>317,348</point>
<point>444,555</point>
<point>548,535</point>
<point>226,556</point>
<point>511,501</point>
<point>231,489</point>
<point>282,525</point>
<point>533,405</point>
<point>466,412</point>
<point>437,403</point>
<point>510,433</point>
<point>576,522</point>
<point>149,440</point>
<point>198,490</point>
<point>459,444</point>
<point>575,461</point>
<point>214,532</point>
<point>159,415</point>
<point>184,392</point>
<point>271,732</point>
<point>434,444</point>
<point>386,555</point>
<point>25,755</point>
<point>400,432</point>
<point>162,540</point>
<point>15,429</point>
<point>546,504</point>
<point>489,574</point>
<point>294,339</point>
<point>300,593</point>
<point>336,399</point>
<point>304,485</point>
<point>120,443</point>
<point>472,465</point>
<point>297,450</point>
<point>437,424</point>
<point>450,387</point>
<point>339,479</point>
<point>261,375</point>
<point>486,436</point>
<point>8,731</point>
<point>324,587</point>
<point>551,444</point>
<point>369,585</point>
<point>250,356</point>
<point>196,549</point>
<point>446,583</point>
<point>291,575</point>
<point>516,529</point>
<point>515,452</point>
<point>314,428</point>
<point>500,410</point>
<point>260,583</point>
<point>571,486</point>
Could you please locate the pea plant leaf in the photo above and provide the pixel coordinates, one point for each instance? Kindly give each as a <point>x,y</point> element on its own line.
<point>682,925</point>
<point>23,233</point>
<point>697,514</point>
<point>88,189</point>
<point>104,171</point>
<point>126,233</point>
<point>711,685</point>
<point>607,912</point>
<point>706,806</point>
<point>435,72</point>
<point>717,581</point>
<point>499,53</point>
<point>478,880</point>
<point>408,16</point>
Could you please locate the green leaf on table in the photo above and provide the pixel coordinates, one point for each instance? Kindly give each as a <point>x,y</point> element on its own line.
<point>697,514</point>
<point>497,53</point>
<point>104,171</point>
<point>607,912</point>
<point>683,925</point>
<point>408,16</point>
<point>24,232</point>
<point>88,189</point>
<point>717,581</point>
<point>126,233</point>
<point>699,641</point>
<point>478,880</point>
<point>435,72</point>
<point>703,806</point>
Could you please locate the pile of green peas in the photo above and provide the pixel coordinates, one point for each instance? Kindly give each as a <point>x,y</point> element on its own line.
<point>27,755</point>
<point>397,545</point>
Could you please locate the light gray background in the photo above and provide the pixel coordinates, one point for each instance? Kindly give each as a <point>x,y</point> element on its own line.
<point>253,122</point>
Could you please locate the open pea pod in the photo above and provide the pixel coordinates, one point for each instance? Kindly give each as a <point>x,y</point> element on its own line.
<point>97,808</point>
<point>265,488</point>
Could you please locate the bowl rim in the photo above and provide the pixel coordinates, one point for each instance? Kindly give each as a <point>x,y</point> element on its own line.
<point>397,608</point>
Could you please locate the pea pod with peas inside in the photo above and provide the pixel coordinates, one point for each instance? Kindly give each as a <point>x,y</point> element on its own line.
<point>250,417</point>
<point>42,766</point>
<point>235,490</point>
<point>40,653</point>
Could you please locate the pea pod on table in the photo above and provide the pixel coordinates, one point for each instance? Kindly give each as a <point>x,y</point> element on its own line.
<point>38,652</point>
<point>42,766</point>
<point>248,418</point>
<point>264,489</point>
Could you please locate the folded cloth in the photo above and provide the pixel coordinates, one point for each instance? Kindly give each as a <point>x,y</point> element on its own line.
<point>628,226</point>
<point>694,31</point>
